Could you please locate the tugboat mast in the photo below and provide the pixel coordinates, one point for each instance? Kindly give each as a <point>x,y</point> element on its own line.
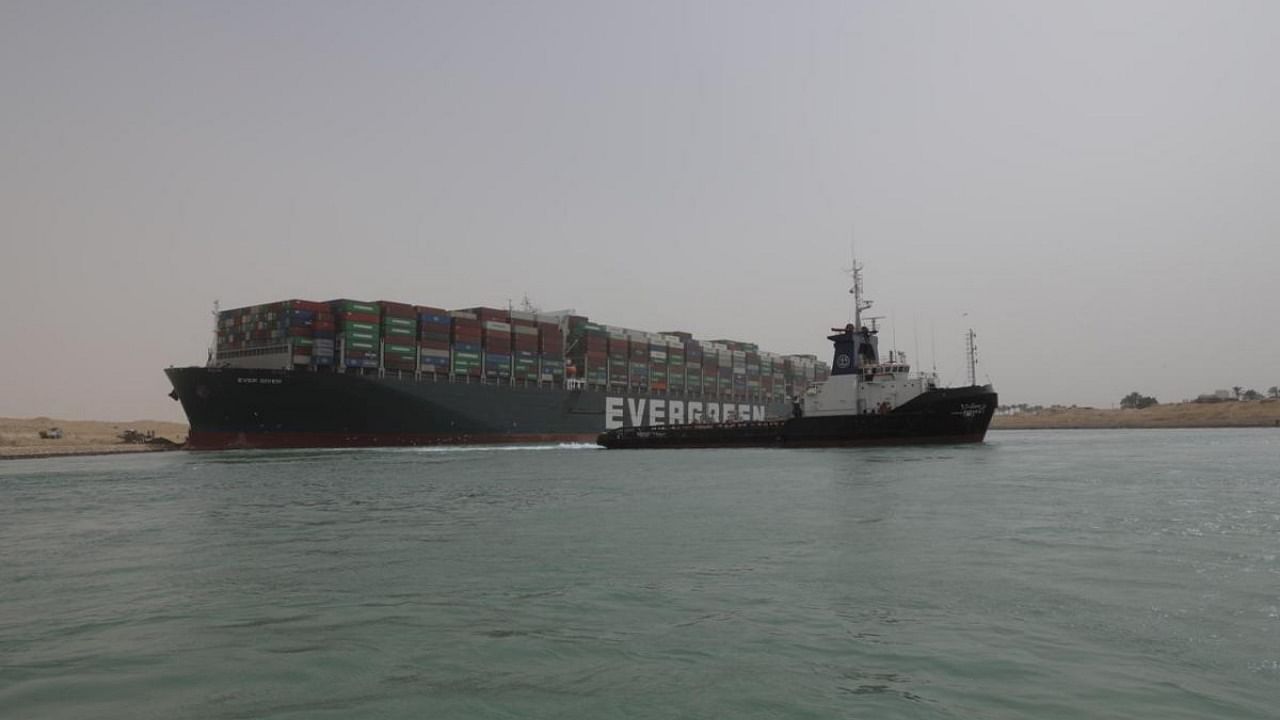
<point>859,303</point>
<point>971,352</point>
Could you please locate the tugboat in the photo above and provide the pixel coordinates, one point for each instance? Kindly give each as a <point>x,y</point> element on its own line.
<point>864,402</point>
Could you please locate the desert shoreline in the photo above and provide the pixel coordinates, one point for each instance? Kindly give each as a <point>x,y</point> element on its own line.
<point>1231,414</point>
<point>20,437</point>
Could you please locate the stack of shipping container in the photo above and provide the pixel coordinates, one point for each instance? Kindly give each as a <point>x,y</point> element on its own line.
<point>524,347</point>
<point>324,331</point>
<point>618,348</point>
<point>753,374</point>
<point>467,351</point>
<point>657,365</point>
<point>359,332</point>
<point>801,370</point>
<point>675,364</point>
<point>289,332</point>
<point>496,337</point>
<point>434,325</point>
<point>591,352</point>
<point>638,365</point>
<point>399,336</point>
<point>550,350</point>
<point>505,346</point>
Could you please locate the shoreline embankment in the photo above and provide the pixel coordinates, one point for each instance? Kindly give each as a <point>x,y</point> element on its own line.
<point>20,437</point>
<point>1230,414</point>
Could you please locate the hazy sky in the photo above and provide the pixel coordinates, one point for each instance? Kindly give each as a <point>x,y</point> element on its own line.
<point>1094,184</point>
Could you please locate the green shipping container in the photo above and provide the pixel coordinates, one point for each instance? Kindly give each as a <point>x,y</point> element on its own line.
<point>357,306</point>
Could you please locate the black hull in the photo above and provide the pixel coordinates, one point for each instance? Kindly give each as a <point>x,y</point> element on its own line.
<point>953,415</point>
<point>243,408</point>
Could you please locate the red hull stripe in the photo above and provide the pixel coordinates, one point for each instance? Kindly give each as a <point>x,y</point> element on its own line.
<point>205,440</point>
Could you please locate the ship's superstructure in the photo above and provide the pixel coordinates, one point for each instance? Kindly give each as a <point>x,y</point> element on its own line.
<point>860,383</point>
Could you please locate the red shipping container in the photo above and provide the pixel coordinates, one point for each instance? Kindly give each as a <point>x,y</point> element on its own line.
<point>397,309</point>
<point>345,316</point>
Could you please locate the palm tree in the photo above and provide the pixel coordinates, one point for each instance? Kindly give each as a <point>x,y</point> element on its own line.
<point>1237,390</point>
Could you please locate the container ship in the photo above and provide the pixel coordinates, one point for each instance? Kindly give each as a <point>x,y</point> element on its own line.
<point>351,373</point>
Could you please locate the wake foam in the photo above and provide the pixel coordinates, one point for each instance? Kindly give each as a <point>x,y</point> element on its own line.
<point>491,448</point>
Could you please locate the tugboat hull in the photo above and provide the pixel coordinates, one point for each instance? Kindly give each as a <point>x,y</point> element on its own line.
<point>954,415</point>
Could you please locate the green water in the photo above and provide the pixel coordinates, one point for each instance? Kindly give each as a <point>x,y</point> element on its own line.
<point>1068,574</point>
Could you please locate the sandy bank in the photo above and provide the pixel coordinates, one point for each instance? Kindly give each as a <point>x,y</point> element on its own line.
<point>1259,413</point>
<point>20,437</point>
